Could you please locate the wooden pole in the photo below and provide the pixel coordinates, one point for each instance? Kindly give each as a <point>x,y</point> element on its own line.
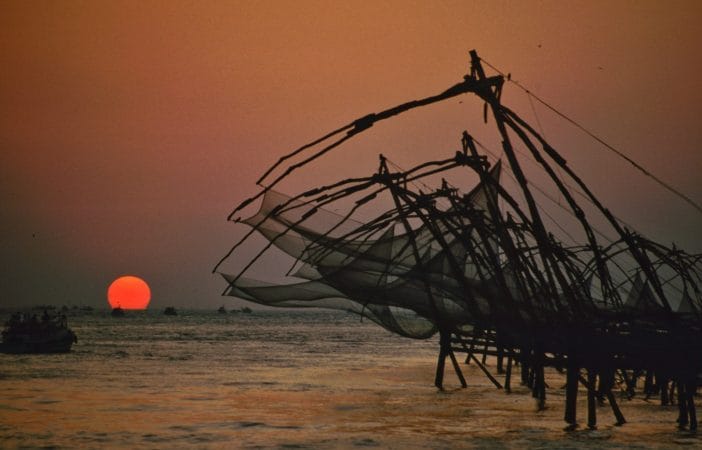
<point>486,372</point>
<point>572,374</point>
<point>690,390</point>
<point>500,360</point>
<point>682,404</point>
<point>606,385</point>
<point>457,368</point>
<point>591,399</point>
<point>508,375</point>
<point>439,378</point>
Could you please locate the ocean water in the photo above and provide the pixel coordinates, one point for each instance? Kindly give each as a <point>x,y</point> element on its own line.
<point>280,379</point>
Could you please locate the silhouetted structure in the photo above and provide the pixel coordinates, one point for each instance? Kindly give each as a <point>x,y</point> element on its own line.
<point>484,271</point>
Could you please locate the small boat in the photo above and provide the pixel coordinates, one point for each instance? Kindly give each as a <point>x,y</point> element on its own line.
<point>222,310</point>
<point>117,312</point>
<point>48,335</point>
<point>170,311</point>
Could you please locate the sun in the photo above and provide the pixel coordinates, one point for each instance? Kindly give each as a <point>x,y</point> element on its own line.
<point>129,292</point>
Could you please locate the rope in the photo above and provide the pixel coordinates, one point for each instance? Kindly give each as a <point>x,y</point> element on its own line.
<point>549,197</point>
<point>536,116</point>
<point>602,141</point>
<point>541,130</point>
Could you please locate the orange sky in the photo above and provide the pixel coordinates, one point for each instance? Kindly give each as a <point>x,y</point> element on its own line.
<point>129,130</point>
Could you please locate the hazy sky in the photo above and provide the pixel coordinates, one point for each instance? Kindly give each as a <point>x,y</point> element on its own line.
<point>129,130</point>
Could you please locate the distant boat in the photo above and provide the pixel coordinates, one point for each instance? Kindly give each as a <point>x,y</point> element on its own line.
<point>246,310</point>
<point>170,311</point>
<point>222,310</point>
<point>50,335</point>
<point>118,312</point>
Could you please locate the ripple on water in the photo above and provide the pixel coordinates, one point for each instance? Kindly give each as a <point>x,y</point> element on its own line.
<point>187,428</point>
<point>200,399</point>
<point>366,442</point>
<point>260,381</point>
<point>154,438</point>
<point>4,407</point>
<point>244,424</point>
<point>250,383</point>
<point>46,401</point>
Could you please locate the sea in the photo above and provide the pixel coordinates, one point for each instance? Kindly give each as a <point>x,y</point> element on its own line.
<point>284,380</point>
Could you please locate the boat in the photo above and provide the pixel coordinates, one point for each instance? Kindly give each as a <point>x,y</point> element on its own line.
<point>222,310</point>
<point>48,335</point>
<point>170,311</point>
<point>117,312</point>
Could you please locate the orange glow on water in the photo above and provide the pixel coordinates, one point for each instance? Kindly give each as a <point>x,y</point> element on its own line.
<point>129,292</point>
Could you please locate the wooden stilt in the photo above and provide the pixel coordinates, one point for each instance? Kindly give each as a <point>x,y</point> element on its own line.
<point>439,378</point>
<point>601,389</point>
<point>542,395</point>
<point>572,375</point>
<point>682,405</point>
<point>591,399</point>
<point>457,368</point>
<point>648,384</point>
<point>665,395</point>
<point>508,375</point>
<point>630,384</point>
<point>524,367</point>
<point>472,346</point>
<point>485,348</point>
<point>615,409</point>
<point>500,360</point>
<point>606,385</point>
<point>690,391</point>
<point>538,381</point>
<point>486,372</point>
<point>444,350</point>
<point>530,376</point>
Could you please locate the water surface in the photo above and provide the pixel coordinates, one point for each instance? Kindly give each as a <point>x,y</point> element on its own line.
<point>279,379</point>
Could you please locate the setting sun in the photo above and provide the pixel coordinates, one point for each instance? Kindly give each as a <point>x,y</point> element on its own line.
<point>129,292</point>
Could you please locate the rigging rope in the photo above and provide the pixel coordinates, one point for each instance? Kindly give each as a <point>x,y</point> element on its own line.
<point>548,197</point>
<point>536,116</point>
<point>541,131</point>
<point>601,141</point>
